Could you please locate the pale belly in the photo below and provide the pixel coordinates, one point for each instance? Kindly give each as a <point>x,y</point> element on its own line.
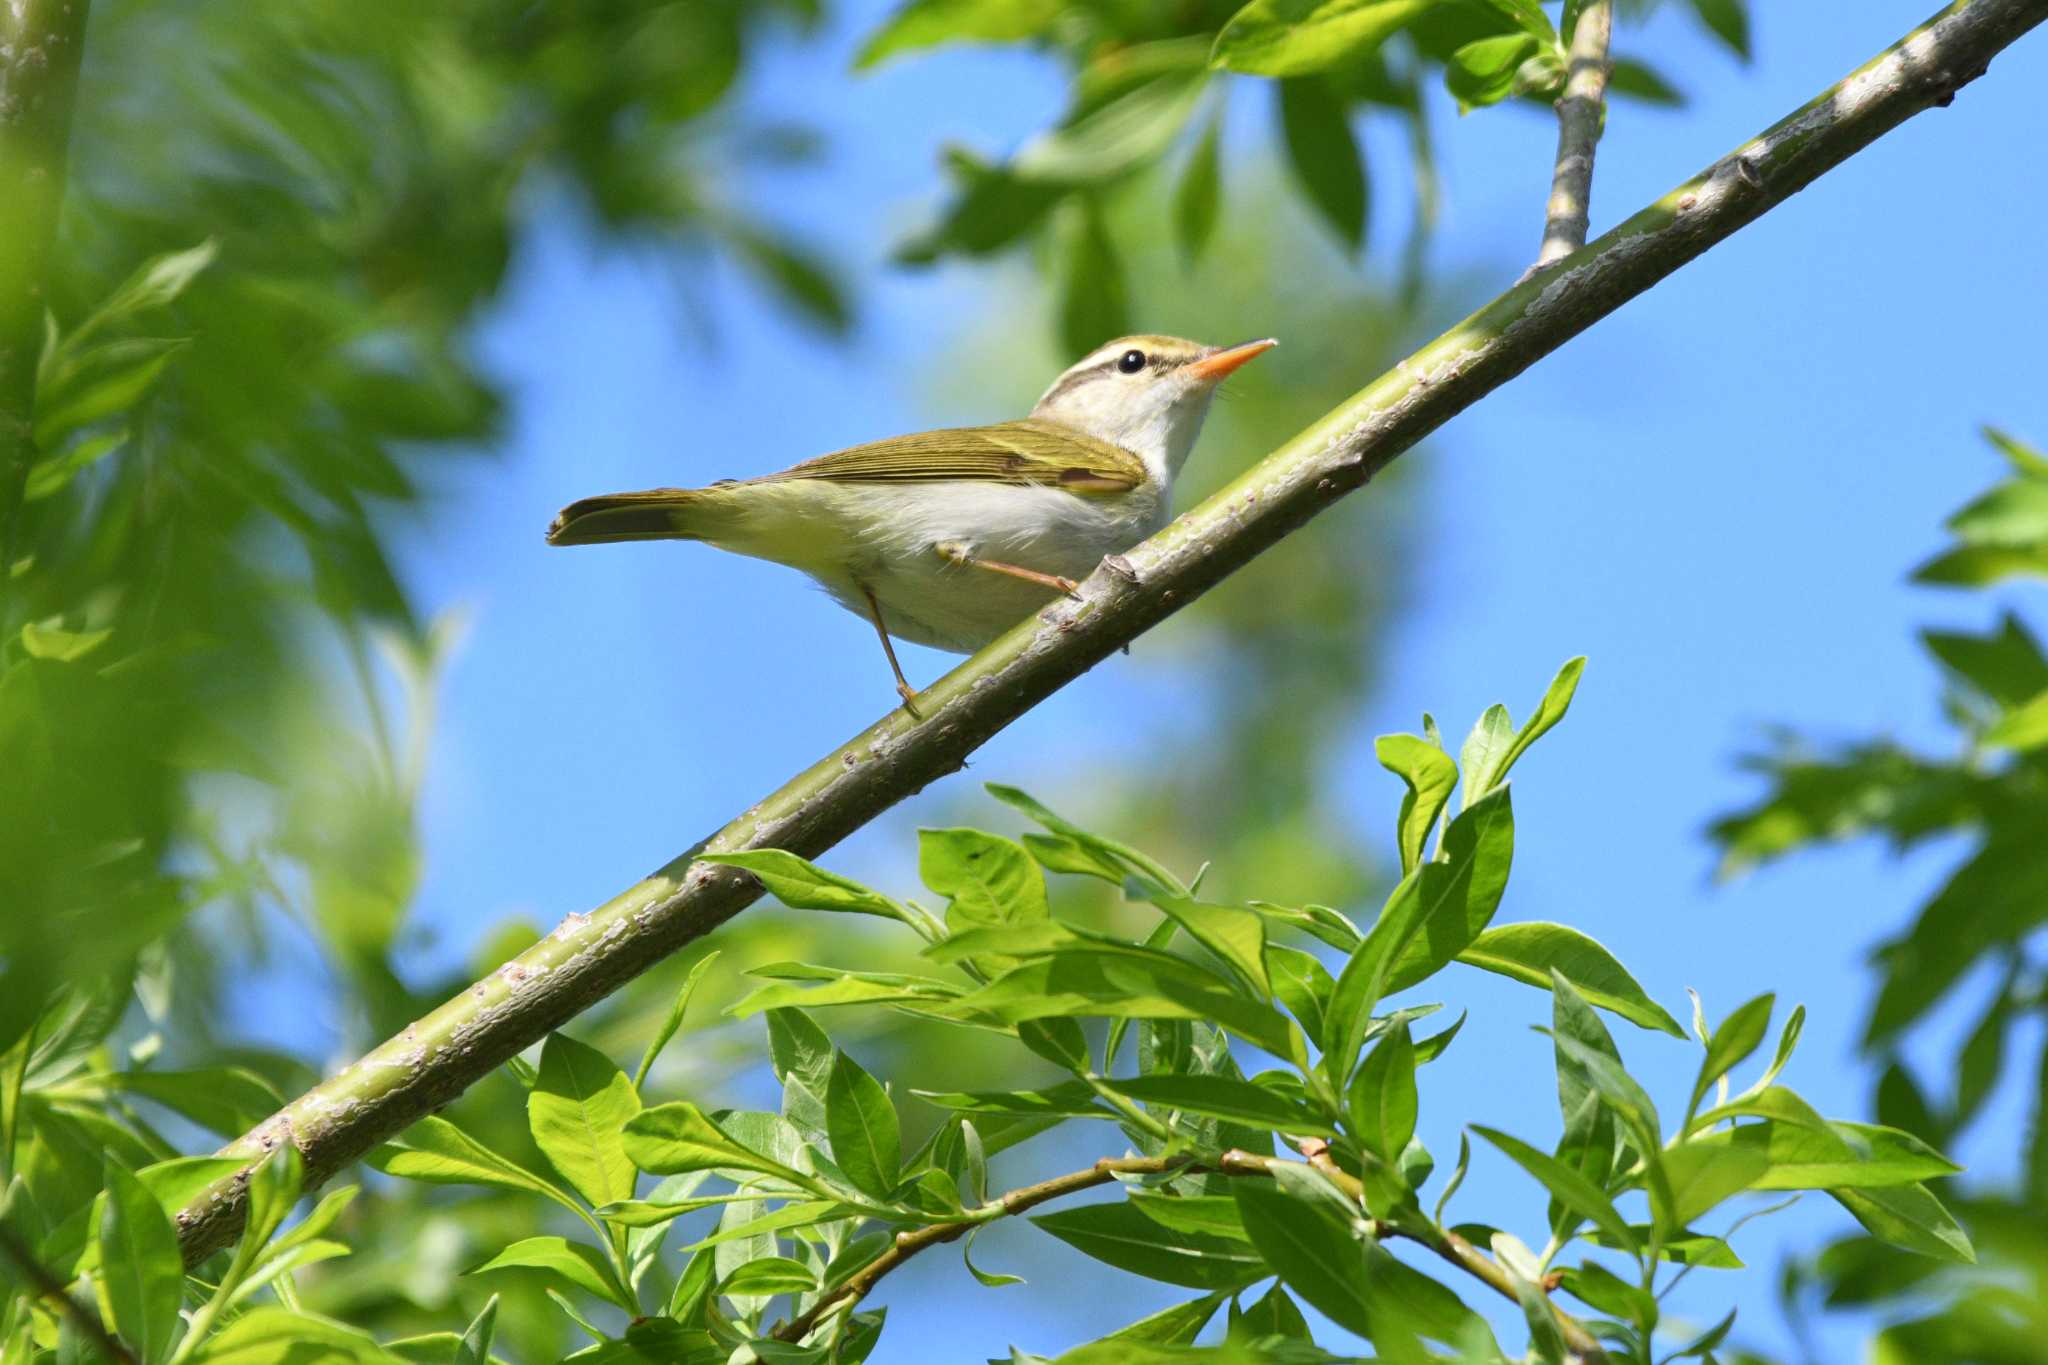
<point>883,539</point>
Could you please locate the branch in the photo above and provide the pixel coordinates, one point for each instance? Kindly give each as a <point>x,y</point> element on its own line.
<point>40,45</point>
<point>1581,115</point>
<point>1450,1246</point>
<point>590,955</point>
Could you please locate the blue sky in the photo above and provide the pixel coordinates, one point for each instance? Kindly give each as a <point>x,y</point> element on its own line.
<point>1715,495</point>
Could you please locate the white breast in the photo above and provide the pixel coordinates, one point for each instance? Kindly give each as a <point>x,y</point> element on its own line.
<point>884,537</point>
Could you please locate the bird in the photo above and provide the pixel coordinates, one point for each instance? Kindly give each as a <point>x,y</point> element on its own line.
<point>948,538</point>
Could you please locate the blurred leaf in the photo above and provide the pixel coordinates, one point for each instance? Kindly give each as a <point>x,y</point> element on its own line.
<point>1727,20</point>
<point>1296,37</point>
<point>1112,139</point>
<point>795,276</point>
<point>1093,302</point>
<point>59,645</point>
<point>1325,156</point>
<point>141,1271</point>
<point>2026,458</point>
<point>1199,198</point>
<point>578,1111</point>
<point>1119,1235</point>
<point>866,1140</point>
<point>920,24</point>
<point>1640,80</point>
<point>1530,952</point>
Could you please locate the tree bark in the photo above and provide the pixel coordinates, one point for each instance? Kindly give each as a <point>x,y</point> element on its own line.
<point>589,955</point>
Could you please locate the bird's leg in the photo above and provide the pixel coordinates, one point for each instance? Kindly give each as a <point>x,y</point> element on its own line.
<point>954,552</point>
<point>903,687</point>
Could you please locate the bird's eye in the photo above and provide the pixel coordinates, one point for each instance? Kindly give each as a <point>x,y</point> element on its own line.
<point>1130,362</point>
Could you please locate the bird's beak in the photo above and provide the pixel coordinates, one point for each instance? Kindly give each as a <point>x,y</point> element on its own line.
<point>1224,359</point>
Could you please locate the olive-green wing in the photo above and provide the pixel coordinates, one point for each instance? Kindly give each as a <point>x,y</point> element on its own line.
<point>1027,452</point>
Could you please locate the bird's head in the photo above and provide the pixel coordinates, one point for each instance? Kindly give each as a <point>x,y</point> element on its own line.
<point>1147,394</point>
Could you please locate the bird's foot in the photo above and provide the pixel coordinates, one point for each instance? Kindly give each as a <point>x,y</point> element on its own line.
<point>909,695</point>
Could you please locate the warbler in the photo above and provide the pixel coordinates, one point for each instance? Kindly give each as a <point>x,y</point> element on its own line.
<point>948,538</point>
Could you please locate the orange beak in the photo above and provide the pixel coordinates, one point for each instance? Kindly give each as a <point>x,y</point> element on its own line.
<point>1225,359</point>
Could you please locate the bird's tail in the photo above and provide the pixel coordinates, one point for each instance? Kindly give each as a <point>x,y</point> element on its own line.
<point>657,514</point>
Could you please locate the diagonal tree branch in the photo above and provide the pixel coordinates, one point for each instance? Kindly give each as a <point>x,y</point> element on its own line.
<point>40,45</point>
<point>589,955</point>
<point>1581,116</point>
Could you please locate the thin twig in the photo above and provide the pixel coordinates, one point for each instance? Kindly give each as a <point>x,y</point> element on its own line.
<point>48,1286</point>
<point>589,956</point>
<point>1581,114</point>
<point>1450,1246</point>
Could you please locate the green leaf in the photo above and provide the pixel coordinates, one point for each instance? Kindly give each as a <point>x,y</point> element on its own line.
<point>798,1049</point>
<point>1213,1215</point>
<point>803,885</point>
<point>1453,894</point>
<point>110,379</point>
<point>1484,72</point>
<point>1531,951</point>
<point>155,283</point>
<point>1740,1034</point>
<point>1325,155</point>
<point>1490,753</point>
<point>1100,848</point>
<point>1727,20</point>
<point>266,1336</point>
<point>1320,1255</point>
<point>1331,926</point>
<point>475,1348</point>
<point>1840,1155</point>
<point>2023,728</point>
<point>674,1020</point>
<point>140,1268</point>
<point>1237,937</point>
<point>578,1111</point>
<point>1911,1218</point>
<point>1223,1097</point>
<point>1296,37</point>
<point>274,1188</point>
<point>1175,1326</point>
<point>2012,516</point>
<point>2026,459</point>
<point>920,24</point>
<point>564,1263</point>
<point>838,988</point>
<point>1429,774</point>
<point>866,1140</point>
<point>1302,983</point>
<point>1199,198</point>
<point>1703,1175</point>
<point>1068,1099</point>
<point>1058,853</point>
<point>988,879</point>
<point>797,1214</point>
<point>40,640</point>
<point>1124,982</point>
<point>1570,1188</point>
<point>1120,1235</point>
<point>1641,81</point>
<point>677,1137</point>
<point>1382,1098</point>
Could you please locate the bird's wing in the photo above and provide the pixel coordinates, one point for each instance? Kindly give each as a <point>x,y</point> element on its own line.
<point>1031,451</point>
